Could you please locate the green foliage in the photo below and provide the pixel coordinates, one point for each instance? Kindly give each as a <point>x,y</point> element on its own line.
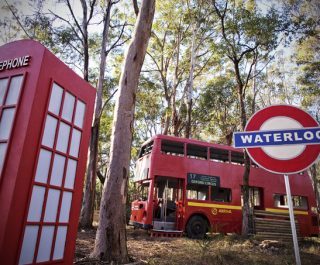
<point>307,55</point>
<point>217,107</point>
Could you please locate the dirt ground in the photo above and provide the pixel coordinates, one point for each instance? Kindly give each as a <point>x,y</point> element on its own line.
<point>216,249</point>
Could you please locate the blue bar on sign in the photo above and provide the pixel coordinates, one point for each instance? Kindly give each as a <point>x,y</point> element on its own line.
<point>277,137</point>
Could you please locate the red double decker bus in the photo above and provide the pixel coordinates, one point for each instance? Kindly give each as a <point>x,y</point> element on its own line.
<point>193,186</point>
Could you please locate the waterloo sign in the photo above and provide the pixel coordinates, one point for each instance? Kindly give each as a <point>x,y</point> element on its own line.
<point>281,138</point>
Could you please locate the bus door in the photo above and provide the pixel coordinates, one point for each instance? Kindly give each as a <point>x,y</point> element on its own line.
<point>168,203</point>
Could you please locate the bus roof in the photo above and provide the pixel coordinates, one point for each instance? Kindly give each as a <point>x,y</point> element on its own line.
<point>192,141</point>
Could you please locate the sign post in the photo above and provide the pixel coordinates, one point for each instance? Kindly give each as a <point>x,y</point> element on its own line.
<point>282,139</point>
<point>293,224</point>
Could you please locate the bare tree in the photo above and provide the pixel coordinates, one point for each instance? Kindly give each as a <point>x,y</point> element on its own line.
<point>87,209</point>
<point>110,241</point>
<point>80,29</point>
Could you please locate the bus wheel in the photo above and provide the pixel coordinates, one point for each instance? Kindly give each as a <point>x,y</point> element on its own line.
<point>197,227</point>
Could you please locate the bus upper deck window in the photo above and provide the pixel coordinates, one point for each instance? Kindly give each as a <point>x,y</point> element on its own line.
<point>237,158</point>
<point>220,155</point>
<point>146,149</point>
<point>197,151</point>
<point>172,148</point>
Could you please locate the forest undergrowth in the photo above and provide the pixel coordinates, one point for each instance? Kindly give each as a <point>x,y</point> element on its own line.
<point>216,249</point>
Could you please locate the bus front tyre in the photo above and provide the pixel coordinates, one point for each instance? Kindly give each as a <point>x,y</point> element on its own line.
<point>197,227</point>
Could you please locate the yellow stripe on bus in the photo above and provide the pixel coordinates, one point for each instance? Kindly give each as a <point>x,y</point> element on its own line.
<point>286,211</point>
<point>235,207</point>
<point>212,205</point>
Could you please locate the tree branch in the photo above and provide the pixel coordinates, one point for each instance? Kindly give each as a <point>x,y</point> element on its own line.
<point>18,20</point>
<point>68,22</point>
<point>92,4</point>
<point>106,102</point>
<point>115,44</point>
<point>74,18</point>
<point>136,7</point>
<point>100,176</point>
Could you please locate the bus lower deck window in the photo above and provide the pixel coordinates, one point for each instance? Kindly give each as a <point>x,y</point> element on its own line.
<point>220,194</point>
<point>299,202</point>
<point>197,192</point>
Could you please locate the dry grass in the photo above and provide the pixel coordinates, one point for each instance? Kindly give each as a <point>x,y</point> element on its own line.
<point>216,249</point>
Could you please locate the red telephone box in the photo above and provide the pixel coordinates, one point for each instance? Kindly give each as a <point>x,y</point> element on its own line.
<point>45,120</point>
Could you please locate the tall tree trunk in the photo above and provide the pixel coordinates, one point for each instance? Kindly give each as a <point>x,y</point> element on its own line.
<point>246,213</point>
<point>167,116</point>
<point>87,209</point>
<point>175,115</point>
<point>85,41</point>
<point>254,88</point>
<point>110,243</point>
<point>190,85</point>
<point>245,178</point>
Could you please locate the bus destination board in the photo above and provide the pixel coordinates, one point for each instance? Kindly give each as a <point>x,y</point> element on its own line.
<point>203,180</point>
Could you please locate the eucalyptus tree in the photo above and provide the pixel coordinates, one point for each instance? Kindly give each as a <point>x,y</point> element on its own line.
<point>114,35</point>
<point>307,56</point>
<point>307,52</point>
<point>179,53</point>
<point>246,34</point>
<point>110,243</point>
<point>87,209</point>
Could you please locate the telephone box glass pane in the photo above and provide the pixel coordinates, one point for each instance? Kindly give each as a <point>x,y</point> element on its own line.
<point>57,170</point>
<point>29,244</point>
<point>65,207</point>
<point>52,205</point>
<point>6,123</point>
<point>2,154</point>
<point>36,203</point>
<point>45,244</point>
<point>55,99</point>
<point>75,142</point>
<point>80,110</point>
<point>60,243</point>
<point>71,174</point>
<point>43,166</point>
<point>14,90</point>
<point>68,105</point>
<point>3,87</point>
<point>49,131</point>
<point>63,137</point>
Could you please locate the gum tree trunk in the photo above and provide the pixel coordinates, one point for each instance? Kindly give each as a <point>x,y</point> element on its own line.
<point>111,243</point>
<point>87,209</point>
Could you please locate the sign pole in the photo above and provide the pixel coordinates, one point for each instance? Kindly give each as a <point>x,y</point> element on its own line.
<point>293,225</point>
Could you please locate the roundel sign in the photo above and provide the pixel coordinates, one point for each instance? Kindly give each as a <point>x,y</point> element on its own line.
<point>281,139</point>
